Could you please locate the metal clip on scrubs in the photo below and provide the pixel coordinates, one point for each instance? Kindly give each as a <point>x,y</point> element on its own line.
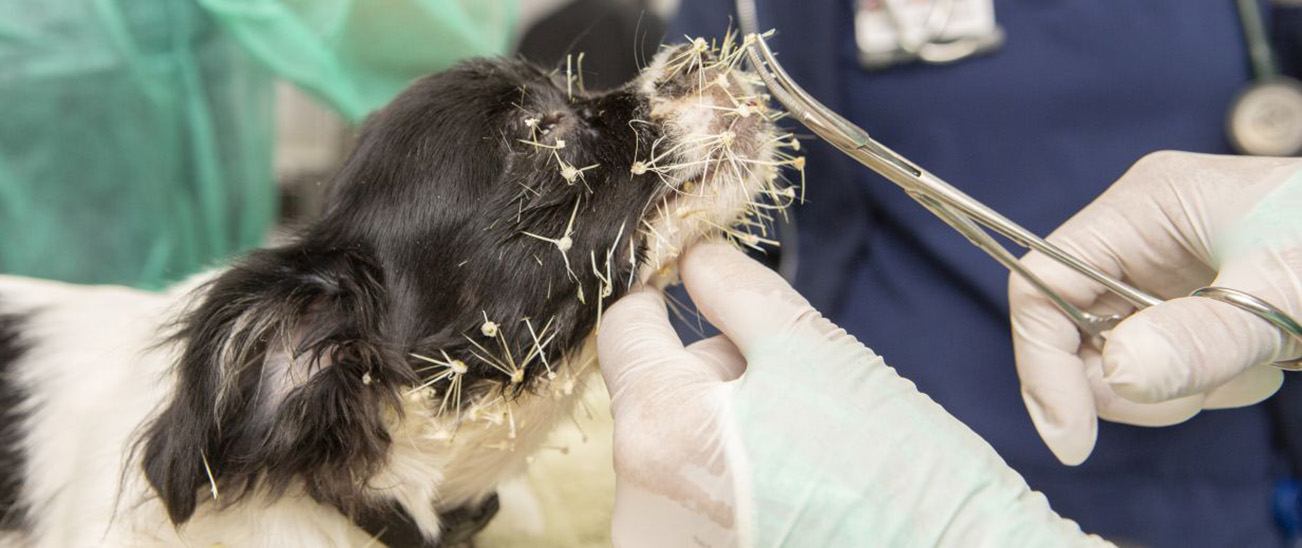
<point>972,218</point>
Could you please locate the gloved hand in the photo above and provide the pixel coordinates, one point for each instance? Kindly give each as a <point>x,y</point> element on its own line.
<point>786,430</point>
<point>1175,222</point>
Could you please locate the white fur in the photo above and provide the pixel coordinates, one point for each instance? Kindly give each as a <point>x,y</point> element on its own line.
<point>95,375</point>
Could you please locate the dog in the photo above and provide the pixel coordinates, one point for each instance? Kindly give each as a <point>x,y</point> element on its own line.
<point>379,374</point>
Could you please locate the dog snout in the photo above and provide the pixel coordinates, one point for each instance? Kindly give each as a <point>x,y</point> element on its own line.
<point>690,67</point>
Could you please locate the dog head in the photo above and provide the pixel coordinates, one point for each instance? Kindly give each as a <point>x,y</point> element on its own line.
<point>485,218</point>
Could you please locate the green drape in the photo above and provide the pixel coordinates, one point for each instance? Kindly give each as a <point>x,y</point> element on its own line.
<point>136,136</point>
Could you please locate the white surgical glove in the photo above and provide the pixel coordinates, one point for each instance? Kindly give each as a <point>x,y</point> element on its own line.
<point>1174,223</point>
<point>785,430</point>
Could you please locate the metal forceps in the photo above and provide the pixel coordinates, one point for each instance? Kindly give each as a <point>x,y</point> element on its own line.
<point>965,214</point>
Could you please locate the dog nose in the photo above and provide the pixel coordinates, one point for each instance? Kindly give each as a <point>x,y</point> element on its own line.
<point>693,64</point>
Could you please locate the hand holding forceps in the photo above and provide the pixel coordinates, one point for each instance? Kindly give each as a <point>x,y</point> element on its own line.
<point>971,218</point>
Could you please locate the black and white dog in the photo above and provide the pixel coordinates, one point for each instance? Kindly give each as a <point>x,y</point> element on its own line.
<point>403,354</point>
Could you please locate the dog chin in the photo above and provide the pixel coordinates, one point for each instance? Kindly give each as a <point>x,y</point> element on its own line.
<point>727,149</point>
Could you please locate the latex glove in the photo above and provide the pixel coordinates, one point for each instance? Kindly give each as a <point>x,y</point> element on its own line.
<point>1175,222</point>
<point>786,430</point>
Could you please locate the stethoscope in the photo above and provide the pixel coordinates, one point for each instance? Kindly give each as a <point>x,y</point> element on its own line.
<point>1266,117</point>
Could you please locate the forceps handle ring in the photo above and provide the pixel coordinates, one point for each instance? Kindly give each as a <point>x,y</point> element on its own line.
<point>1260,309</point>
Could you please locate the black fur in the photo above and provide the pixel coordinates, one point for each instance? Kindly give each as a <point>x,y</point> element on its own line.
<point>12,462</point>
<point>423,237</point>
<point>457,527</point>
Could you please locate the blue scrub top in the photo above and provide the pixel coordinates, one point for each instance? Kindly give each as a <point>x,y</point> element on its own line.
<point>1080,91</point>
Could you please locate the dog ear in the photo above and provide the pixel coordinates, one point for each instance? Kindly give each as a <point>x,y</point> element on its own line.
<point>283,375</point>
